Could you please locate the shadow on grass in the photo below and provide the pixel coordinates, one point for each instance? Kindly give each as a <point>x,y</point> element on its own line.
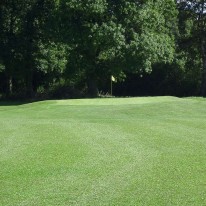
<point>13,103</point>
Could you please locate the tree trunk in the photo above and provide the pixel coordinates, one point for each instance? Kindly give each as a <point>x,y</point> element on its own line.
<point>9,83</point>
<point>92,87</point>
<point>203,88</point>
<point>29,84</point>
<point>9,86</point>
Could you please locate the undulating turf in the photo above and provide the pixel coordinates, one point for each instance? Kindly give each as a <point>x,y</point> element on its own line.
<point>130,151</point>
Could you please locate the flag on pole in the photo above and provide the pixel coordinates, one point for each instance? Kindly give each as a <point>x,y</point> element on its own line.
<point>113,79</point>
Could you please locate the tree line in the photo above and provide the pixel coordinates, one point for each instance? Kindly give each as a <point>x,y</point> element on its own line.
<point>72,47</point>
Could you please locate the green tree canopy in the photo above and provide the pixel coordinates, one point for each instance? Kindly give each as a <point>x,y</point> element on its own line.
<point>193,28</point>
<point>108,37</point>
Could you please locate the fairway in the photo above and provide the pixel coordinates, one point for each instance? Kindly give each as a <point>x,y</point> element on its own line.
<point>121,151</point>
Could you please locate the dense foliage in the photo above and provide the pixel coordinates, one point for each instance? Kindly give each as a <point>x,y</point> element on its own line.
<point>71,47</point>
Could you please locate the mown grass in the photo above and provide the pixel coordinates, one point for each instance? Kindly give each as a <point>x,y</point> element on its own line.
<point>130,151</point>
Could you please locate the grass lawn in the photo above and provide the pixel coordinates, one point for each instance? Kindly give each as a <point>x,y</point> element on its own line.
<point>130,151</point>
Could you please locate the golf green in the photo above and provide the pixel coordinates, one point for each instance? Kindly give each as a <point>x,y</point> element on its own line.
<point>113,151</point>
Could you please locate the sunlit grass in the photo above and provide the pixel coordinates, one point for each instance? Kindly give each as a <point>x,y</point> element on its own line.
<point>129,151</point>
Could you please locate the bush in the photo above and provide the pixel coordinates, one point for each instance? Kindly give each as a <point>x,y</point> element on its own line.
<point>64,92</point>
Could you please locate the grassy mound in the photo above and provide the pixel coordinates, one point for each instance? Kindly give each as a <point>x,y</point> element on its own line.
<point>130,151</point>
